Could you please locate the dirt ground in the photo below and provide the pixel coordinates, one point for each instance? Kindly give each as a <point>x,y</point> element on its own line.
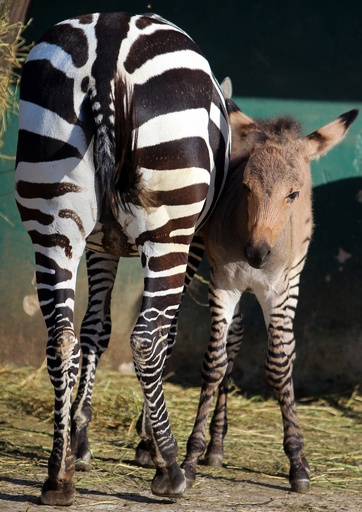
<point>116,483</point>
<point>231,492</point>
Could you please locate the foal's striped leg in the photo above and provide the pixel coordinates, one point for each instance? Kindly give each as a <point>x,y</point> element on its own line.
<point>279,316</point>
<point>222,306</point>
<point>219,422</point>
<point>94,338</point>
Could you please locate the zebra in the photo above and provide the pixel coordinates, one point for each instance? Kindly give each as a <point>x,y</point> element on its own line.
<point>123,148</point>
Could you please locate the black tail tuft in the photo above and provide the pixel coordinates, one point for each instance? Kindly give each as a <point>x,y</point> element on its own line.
<point>127,178</point>
<point>117,157</point>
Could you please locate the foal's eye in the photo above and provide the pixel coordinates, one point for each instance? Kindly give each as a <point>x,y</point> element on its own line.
<point>246,188</point>
<point>292,196</point>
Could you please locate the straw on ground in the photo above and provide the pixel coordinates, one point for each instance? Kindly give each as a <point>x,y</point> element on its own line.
<point>332,428</point>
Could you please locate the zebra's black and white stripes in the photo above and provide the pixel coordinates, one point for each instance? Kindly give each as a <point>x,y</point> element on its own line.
<point>94,338</point>
<point>123,146</point>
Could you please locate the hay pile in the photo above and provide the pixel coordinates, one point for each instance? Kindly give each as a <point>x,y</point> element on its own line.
<point>331,426</point>
<point>13,52</point>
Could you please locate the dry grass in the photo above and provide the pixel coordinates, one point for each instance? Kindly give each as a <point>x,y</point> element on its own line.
<point>332,429</point>
<point>13,52</point>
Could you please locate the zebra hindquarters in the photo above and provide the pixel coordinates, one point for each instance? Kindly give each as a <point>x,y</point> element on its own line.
<point>222,305</point>
<point>279,310</point>
<point>94,338</point>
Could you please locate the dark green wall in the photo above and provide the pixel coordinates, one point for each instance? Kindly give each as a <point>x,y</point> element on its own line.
<point>297,58</point>
<point>278,49</point>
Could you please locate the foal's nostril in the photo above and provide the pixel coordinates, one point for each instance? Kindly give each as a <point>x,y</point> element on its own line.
<point>249,251</point>
<point>257,255</point>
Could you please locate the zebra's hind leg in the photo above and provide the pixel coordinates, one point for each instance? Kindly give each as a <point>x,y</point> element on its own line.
<point>144,448</point>
<point>219,423</point>
<point>149,357</point>
<point>149,342</point>
<point>222,305</point>
<point>56,285</point>
<point>94,338</point>
<point>278,366</point>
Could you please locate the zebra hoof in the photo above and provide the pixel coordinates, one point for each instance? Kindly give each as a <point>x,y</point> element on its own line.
<point>169,482</point>
<point>143,457</point>
<point>80,447</point>
<point>83,457</point>
<point>57,493</point>
<point>300,486</point>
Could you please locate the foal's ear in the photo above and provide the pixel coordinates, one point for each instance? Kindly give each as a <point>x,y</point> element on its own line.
<point>245,133</point>
<point>321,141</point>
<point>227,88</point>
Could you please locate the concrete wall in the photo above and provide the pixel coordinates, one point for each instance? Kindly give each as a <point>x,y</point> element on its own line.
<point>283,58</point>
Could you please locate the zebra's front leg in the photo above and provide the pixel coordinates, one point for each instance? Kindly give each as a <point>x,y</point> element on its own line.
<point>278,367</point>
<point>219,422</point>
<point>94,338</point>
<point>144,448</point>
<point>56,286</point>
<point>222,305</point>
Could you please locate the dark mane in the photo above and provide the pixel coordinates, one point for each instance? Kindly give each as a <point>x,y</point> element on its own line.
<point>280,128</point>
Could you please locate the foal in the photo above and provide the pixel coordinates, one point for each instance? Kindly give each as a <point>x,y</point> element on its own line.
<point>257,241</point>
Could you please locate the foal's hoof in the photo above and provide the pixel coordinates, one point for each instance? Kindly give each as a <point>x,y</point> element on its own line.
<point>299,477</point>
<point>169,482</point>
<point>214,460</point>
<point>82,465</point>
<point>214,456</point>
<point>57,493</point>
<point>143,457</point>
<point>190,474</point>
<point>301,486</point>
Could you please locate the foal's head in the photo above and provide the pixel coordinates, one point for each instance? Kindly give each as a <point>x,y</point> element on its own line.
<point>276,177</point>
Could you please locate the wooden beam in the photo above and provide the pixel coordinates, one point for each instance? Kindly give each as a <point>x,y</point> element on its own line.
<point>19,10</point>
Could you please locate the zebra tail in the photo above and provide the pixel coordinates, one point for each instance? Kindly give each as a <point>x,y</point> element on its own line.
<point>117,158</point>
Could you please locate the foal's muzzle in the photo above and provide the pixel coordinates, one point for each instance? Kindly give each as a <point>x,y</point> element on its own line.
<point>257,255</point>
